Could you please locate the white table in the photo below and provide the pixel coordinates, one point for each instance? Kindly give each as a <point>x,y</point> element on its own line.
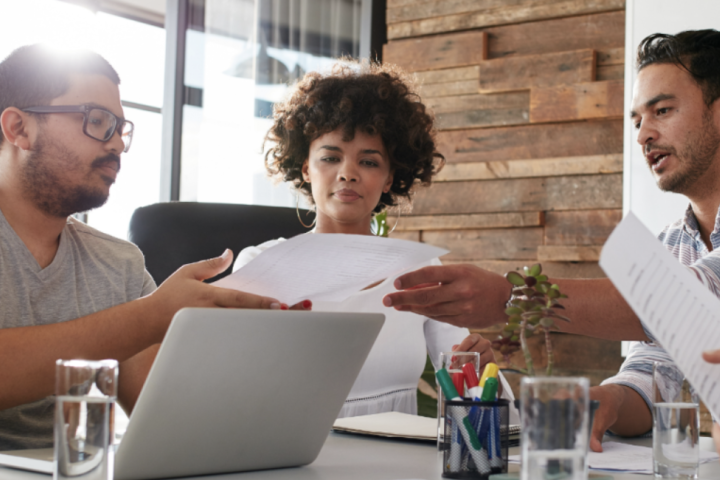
<point>355,457</point>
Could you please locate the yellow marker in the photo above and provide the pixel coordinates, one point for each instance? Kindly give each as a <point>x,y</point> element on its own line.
<point>491,371</point>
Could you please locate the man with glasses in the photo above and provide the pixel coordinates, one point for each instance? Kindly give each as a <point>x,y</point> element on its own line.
<point>67,290</point>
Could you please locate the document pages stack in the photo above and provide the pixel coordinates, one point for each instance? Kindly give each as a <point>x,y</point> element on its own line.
<point>326,266</point>
<point>673,304</point>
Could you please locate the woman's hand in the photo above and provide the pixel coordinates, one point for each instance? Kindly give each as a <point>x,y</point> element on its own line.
<point>476,343</point>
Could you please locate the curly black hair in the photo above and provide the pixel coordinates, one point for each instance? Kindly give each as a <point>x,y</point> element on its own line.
<point>697,51</point>
<point>373,98</point>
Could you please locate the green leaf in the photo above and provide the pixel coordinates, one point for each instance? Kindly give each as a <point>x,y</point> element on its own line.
<point>509,328</point>
<point>513,311</point>
<point>555,286</point>
<point>552,293</point>
<point>542,278</point>
<point>535,270</point>
<point>505,334</point>
<point>547,322</point>
<point>515,319</point>
<point>515,278</point>
<point>542,288</point>
<point>514,338</point>
<point>526,270</point>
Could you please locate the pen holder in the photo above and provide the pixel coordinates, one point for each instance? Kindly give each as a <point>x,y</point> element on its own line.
<point>490,423</point>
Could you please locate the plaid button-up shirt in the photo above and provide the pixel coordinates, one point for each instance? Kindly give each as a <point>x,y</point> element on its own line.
<point>683,240</point>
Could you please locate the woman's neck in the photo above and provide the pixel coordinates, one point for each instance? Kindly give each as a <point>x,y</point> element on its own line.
<point>328,225</point>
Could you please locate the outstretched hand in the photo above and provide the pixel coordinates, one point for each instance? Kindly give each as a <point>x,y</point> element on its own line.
<point>185,288</point>
<point>462,295</point>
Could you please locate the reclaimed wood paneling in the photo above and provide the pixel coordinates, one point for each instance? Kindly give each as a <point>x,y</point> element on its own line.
<point>441,51</point>
<point>478,220</point>
<point>552,269</point>
<point>567,253</point>
<point>611,56</point>
<point>610,72</point>
<point>599,31</point>
<point>447,75</point>
<point>586,227</point>
<point>407,234</point>
<point>501,16</point>
<point>525,72</point>
<point>576,102</point>
<point>579,192</point>
<point>510,243</point>
<point>531,168</point>
<point>463,87</point>
<point>502,101</point>
<point>482,118</point>
<point>430,9</point>
<point>601,137</point>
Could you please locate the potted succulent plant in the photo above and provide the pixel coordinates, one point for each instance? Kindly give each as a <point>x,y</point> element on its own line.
<point>533,308</point>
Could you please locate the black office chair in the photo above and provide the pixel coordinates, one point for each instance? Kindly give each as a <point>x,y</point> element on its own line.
<point>173,234</point>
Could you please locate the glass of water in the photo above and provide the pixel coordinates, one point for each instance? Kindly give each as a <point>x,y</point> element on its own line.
<point>554,414</point>
<point>676,424</point>
<point>453,363</point>
<point>84,406</point>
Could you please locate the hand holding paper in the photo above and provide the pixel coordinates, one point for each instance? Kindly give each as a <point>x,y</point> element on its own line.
<point>327,267</point>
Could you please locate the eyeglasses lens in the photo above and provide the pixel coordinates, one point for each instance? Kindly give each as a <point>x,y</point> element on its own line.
<point>126,134</point>
<point>100,124</point>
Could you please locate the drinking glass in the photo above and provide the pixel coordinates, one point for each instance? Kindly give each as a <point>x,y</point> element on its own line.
<point>453,363</point>
<point>84,405</point>
<point>676,424</point>
<point>554,415</point>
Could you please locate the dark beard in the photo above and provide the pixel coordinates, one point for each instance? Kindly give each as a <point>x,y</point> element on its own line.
<point>42,184</point>
<point>696,157</point>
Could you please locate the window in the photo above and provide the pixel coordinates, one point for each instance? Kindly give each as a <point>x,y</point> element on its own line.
<point>242,56</point>
<point>137,51</point>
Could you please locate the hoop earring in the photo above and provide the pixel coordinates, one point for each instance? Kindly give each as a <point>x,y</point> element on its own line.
<point>297,209</point>
<point>396,222</point>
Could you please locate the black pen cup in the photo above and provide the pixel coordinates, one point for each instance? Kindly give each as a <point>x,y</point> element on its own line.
<point>476,439</point>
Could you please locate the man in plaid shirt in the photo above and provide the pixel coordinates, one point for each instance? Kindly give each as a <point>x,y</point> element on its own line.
<point>676,114</point>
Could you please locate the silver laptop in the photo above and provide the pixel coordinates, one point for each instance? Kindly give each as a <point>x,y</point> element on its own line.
<point>238,390</point>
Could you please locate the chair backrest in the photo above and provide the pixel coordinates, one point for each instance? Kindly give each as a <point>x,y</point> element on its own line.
<point>175,233</point>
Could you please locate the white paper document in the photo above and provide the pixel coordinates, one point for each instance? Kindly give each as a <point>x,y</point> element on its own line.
<point>671,301</point>
<point>623,457</point>
<point>327,267</point>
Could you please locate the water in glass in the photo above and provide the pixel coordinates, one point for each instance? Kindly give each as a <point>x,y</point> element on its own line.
<point>83,433</point>
<point>676,440</point>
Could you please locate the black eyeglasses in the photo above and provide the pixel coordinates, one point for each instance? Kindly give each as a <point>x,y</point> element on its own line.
<point>98,123</point>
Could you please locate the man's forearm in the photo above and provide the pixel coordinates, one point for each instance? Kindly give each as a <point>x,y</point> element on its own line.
<point>133,373</point>
<point>597,309</point>
<point>633,417</point>
<point>28,354</point>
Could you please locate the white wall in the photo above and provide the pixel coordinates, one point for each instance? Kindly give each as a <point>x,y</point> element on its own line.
<point>644,17</point>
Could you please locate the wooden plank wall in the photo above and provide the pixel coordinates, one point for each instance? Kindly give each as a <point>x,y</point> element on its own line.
<point>528,99</point>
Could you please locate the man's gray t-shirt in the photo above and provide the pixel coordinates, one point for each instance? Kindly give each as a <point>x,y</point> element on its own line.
<point>91,271</point>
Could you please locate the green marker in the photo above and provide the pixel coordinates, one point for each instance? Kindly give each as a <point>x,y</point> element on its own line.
<point>460,416</point>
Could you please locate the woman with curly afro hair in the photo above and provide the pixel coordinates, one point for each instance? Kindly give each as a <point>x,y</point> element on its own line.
<point>355,142</point>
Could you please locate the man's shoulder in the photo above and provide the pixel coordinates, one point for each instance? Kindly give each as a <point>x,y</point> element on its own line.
<point>671,233</point>
<point>100,240</point>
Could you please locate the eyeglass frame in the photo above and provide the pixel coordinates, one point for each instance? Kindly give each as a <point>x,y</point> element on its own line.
<point>85,110</point>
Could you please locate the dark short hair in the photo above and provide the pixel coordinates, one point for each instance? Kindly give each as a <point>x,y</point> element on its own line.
<point>697,51</point>
<point>373,98</point>
<point>36,74</point>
